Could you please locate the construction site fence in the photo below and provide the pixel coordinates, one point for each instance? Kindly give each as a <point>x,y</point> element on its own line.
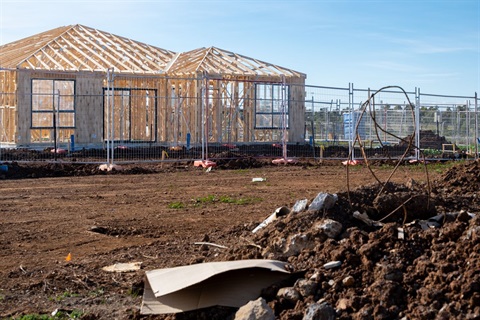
<point>339,123</point>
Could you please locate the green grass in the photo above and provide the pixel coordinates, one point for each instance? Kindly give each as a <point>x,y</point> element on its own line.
<point>211,198</point>
<point>60,315</point>
<point>62,296</point>
<point>96,293</point>
<point>206,199</point>
<point>133,293</point>
<point>176,205</point>
<point>225,199</point>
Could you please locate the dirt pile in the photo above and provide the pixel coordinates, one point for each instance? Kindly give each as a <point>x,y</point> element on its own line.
<point>415,265</point>
<point>16,170</point>
<point>428,139</point>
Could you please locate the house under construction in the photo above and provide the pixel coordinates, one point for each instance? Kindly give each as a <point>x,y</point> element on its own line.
<point>82,84</point>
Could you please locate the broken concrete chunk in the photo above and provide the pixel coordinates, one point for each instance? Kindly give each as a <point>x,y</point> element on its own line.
<point>255,310</point>
<point>330,227</point>
<point>289,294</point>
<point>296,243</point>
<point>306,287</point>
<point>320,311</point>
<point>323,201</point>
<point>300,206</point>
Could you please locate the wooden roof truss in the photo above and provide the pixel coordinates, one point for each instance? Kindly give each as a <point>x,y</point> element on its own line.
<point>80,48</point>
<point>217,61</point>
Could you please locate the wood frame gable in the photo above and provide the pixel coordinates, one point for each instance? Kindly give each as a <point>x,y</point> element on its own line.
<point>80,48</point>
<point>218,61</point>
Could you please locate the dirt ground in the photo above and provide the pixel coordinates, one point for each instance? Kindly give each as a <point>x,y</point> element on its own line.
<point>154,214</point>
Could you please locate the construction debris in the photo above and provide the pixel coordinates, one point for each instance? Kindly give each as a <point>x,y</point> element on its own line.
<point>123,267</point>
<point>231,283</point>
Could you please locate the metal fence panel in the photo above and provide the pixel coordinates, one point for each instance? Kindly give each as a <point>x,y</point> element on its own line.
<point>191,119</point>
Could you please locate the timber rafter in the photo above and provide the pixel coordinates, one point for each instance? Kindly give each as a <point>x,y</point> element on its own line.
<point>80,48</point>
<point>217,61</point>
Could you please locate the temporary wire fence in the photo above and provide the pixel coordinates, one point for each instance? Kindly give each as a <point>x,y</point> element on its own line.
<point>134,122</point>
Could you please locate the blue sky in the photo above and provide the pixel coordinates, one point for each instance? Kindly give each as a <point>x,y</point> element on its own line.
<point>432,45</point>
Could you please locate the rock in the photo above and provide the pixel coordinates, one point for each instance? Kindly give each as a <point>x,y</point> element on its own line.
<point>306,287</point>
<point>323,201</point>
<point>300,206</point>
<point>394,275</point>
<point>344,304</point>
<point>330,227</point>
<point>316,276</point>
<point>255,310</point>
<point>348,281</point>
<point>411,184</point>
<point>289,293</point>
<point>319,311</point>
<point>332,264</point>
<point>296,243</point>
<point>473,233</point>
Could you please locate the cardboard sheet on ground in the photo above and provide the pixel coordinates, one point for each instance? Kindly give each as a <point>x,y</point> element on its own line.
<point>230,283</point>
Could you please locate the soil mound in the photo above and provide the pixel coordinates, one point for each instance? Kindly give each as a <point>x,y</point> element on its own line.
<point>428,140</point>
<point>413,265</point>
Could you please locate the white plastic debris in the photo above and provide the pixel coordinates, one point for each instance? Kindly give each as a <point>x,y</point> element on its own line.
<point>259,179</point>
<point>332,264</point>
<point>109,167</point>
<point>365,218</point>
<point>282,211</point>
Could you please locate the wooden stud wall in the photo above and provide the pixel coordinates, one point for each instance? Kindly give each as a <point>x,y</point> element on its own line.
<point>176,115</point>
<point>8,106</point>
